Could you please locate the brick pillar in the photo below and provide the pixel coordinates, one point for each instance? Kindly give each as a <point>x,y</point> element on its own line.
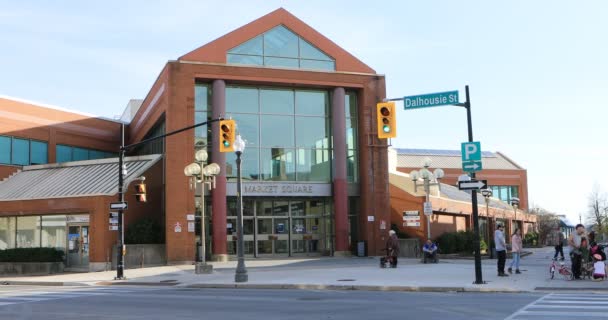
<point>218,195</point>
<point>339,180</point>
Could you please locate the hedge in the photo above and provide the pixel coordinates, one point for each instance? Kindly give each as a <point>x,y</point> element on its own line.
<point>456,242</point>
<point>144,231</point>
<point>31,255</point>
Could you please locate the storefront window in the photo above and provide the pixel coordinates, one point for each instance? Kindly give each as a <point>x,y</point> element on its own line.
<point>28,232</point>
<point>7,232</point>
<point>39,152</point>
<point>53,232</point>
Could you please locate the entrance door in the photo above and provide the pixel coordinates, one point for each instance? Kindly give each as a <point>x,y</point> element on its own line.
<point>272,236</point>
<point>78,246</point>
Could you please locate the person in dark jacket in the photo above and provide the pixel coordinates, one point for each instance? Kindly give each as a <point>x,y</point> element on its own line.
<point>392,248</point>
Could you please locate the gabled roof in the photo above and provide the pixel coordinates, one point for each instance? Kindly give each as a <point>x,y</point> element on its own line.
<point>451,159</point>
<point>72,179</point>
<point>215,51</point>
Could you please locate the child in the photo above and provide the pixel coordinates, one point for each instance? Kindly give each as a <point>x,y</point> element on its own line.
<point>599,268</point>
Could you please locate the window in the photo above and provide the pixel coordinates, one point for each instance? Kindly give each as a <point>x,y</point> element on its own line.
<point>280,47</point>
<point>53,232</point>
<point>39,152</point>
<point>65,153</point>
<point>350,105</point>
<point>505,193</point>
<point>22,152</point>
<point>7,232</point>
<point>5,150</point>
<point>287,132</point>
<point>28,232</point>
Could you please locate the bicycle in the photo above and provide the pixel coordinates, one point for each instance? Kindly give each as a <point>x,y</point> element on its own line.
<point>561,269</point>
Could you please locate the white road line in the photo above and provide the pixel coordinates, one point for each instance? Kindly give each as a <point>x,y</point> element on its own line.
<point>575,314</point>
<point>575,302</point>
<point>518,312</point>
<point>545,306</point>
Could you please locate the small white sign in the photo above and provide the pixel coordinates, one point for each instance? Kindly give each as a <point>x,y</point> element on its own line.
<point>382,225</point>
<point>190,226</point>
<point>412,224</point>
<point>178,227</point>
<point>411,219</point>
<point>370,218</point>
<point>229,225</point>
<point>113,228</point>
<point>190,217</point>
<point>114,214</point>
<point>411,213</point>
<point>113,220</point>
<point>428,209</point>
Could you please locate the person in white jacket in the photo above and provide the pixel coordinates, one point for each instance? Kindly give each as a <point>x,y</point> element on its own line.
<point>501,250</point>
<point>516,246</point>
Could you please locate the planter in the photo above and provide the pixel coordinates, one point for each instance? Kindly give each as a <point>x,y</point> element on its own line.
<point>307,237</point>
<point>273,237</point>
<point>30,268</point>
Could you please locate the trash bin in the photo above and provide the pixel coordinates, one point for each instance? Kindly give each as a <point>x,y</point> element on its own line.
<point>361,248</point>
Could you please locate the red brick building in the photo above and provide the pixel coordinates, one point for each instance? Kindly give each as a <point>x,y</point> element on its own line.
<point>315,174</point>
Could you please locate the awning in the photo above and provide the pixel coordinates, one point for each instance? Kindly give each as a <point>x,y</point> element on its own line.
<point>72,179</point>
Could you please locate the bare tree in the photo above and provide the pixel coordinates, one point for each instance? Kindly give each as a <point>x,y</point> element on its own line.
<point>547,222</point>
<point>598,210</point>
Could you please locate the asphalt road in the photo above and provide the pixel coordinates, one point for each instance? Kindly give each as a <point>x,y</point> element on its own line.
<point>127,302</point>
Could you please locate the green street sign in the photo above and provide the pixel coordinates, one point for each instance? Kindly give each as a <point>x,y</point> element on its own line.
<point>471,156</point>
<point>430,100</point>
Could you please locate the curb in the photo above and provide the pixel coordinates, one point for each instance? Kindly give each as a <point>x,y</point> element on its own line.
<point>44,283</point>
<point>157,284</point>
<point>348,287</point>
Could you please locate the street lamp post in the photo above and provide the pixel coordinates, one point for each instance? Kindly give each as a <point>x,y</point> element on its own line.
<point>205,175</point>
<point>241,271</point>
<point>487,194</point>
<point>515,204</point>
<point>428,179</point>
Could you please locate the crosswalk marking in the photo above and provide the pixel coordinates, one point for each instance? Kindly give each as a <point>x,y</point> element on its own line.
<point>565,305</point>
<point>25,296</point>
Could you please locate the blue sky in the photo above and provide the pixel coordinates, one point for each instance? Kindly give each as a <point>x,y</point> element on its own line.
<point>537,70</point>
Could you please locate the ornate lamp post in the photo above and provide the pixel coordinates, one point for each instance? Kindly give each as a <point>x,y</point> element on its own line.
<point>428,179</point>
<point>515,204</point>
<point>241,271</point>
<point>487,194</point>
<point>205,175</point>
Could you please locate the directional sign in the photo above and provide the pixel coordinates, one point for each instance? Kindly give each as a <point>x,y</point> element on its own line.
<point>471,156</point>
<point>118,205</point>
<point>430,100</point>
<point>473,185</point>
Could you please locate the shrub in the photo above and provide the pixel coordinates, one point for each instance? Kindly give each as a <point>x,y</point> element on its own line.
<point>31,255</point>
<point>482,245</point>
<point>456,242</point>
<point>144,231</point>
<point>531,238</point>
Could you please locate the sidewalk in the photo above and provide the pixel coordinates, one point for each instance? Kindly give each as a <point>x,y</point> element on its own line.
<point>339,274</point>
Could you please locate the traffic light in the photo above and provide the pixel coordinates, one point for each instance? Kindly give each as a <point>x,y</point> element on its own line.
<point>227,128</point>
<point>140,192</point>
<point>387,121</point>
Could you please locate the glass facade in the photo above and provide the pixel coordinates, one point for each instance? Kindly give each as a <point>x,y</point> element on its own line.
<point>65,153</point>
<point>22,152</point>
<point>287,133</point>
<point>505,193</point>
<point>282,227</point>
<point>280,47</point>
<point>352,166</point>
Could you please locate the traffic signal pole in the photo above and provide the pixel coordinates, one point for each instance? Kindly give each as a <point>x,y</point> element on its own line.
<point>476,242</point>
<point>121,194</point>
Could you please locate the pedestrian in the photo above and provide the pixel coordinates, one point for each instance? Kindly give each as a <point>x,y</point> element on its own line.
<point>576,256</point>
<point>430,251</point>
<point>516,248</point>
<point>392,248</point>
<point>559,244</point>
<point>501,250</point>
